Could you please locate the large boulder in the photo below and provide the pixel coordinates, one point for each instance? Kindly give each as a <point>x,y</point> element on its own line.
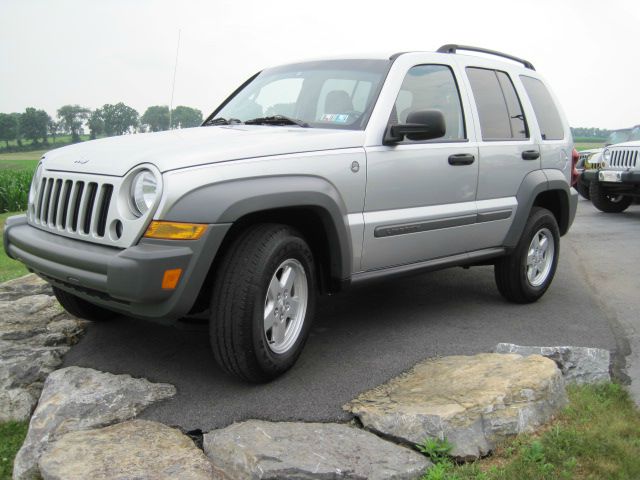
<point>580,365</point>
<point>27,285</point>
<point>35,333</point>
<point>137,449</point>
<point>472,401</point>
<point>77,398</point>
<point>257,449</point>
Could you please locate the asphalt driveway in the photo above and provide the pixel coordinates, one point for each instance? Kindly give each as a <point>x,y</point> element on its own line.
<point>365,336</point>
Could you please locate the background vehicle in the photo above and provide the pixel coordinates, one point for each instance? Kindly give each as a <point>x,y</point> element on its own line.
<point>309,178</point>
<point>591,159</point>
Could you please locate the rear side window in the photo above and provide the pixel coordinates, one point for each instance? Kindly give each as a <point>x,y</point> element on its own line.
<point>545,109</point>
<point>499,108</point>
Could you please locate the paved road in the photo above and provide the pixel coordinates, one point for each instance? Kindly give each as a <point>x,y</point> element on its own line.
<point>363,337</point>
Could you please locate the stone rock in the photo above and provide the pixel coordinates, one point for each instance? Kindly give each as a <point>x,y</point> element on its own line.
<point>24,286</point>
<point>137,449</point>
<point>257,449</point>
<point>580,365</point>
<point>35,333</point>
<point>472,401</point>
<point>77,398</point>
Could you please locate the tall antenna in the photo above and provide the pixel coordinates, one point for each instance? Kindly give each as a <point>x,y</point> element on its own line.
<point>173,86</point>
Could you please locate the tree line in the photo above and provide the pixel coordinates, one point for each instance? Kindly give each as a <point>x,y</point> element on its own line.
<point>109,120</point>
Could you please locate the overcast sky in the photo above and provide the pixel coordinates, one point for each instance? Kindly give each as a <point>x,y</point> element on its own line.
<point>94,52</point>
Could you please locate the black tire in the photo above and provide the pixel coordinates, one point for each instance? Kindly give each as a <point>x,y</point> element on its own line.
<point>606,202</point>
<point>583,189</point>
<point>511,271</point>
<point>239,338</point>
<point>80,308</point>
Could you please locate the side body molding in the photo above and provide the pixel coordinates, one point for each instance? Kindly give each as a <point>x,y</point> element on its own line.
<point>229,201</point>
<point>534,184</point>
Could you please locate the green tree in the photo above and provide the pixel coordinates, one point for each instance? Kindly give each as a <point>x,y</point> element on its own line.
<point>54,129</point>
<point>185,117</point>
<point>16,118</point>
<point>156,118</point>
<point>119,119</point>
<point>34,124</point>
<point>71,119</point>
<point>95,123</point>
<point>8,127</point>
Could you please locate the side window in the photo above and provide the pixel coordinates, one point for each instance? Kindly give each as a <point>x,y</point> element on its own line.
<point>499,108</point>
<point>431,87</point>
<point>545,109</point>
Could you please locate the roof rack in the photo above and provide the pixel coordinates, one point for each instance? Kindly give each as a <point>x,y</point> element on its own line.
<point>452,48</point>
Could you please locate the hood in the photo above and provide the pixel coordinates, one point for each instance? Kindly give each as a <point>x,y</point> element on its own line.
<point>634,143</point>
<point>195,146</point>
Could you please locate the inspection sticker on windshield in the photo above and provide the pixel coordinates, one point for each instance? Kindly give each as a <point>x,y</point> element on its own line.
<point>335,117</point>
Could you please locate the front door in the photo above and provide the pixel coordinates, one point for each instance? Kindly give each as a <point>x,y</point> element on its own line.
<point>420,197</point>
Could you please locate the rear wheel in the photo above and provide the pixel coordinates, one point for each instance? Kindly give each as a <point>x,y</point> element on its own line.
<point>525,275</point>
<point>608,202</point>
<point>80,308</point>
<point>263,302</point>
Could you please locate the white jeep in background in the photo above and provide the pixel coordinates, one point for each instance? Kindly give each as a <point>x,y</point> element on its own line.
<point>310,177</point>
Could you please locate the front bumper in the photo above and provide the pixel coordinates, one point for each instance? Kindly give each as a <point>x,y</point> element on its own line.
<point>627,177</point>
<point>125,280</point>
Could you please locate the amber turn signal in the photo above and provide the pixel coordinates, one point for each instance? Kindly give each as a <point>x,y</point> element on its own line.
<point>171,278</point>
<point>175,230</point>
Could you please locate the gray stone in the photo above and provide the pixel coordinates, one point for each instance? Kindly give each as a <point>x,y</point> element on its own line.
<point>34,335</point>
<point>24,286</point>
<point>474,402</point>
<point>257,449</point>
<point>580,365</point>
<point>77,398</point>
<point>137,449</point>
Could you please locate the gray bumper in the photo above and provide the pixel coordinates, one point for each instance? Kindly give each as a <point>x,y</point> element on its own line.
<point>129,280</point>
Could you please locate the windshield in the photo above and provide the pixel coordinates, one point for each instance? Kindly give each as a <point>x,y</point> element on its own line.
<point>618,136</point>
<point>326,94</point>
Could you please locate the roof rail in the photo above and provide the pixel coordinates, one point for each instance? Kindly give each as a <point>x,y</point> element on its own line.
<point>452,48</point>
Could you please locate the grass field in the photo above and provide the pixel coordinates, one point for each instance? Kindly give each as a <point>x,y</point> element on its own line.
<point>59,141</point>
<point>11,437</point>
<point>586,146</point>
<point>596,437</point>
<point>9,268</point>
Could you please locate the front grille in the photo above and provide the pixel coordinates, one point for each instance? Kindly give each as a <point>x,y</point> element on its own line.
<point>624,157</point>
<point>74,206</point>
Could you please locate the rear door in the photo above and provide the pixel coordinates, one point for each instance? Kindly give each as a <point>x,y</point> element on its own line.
<point>507,150</point>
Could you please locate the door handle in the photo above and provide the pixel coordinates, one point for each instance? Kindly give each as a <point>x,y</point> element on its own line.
<point>530,155</point>
<point>461,159</point>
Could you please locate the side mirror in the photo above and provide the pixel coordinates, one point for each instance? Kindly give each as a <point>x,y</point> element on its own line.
<point>421,125</point>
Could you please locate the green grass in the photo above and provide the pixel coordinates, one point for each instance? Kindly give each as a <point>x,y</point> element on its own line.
<point>9,268</point>
<point>59,141</point>
<point>596,437</point>
<point>587,145</point>
<point>12,435</point>
<point>33,156</point>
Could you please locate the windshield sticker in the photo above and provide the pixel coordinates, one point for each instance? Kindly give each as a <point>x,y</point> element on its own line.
<point>335,117</point>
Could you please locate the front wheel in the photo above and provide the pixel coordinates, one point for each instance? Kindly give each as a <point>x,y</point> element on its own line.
<point>582,187</point>
<point>608,202</point>
<point>263,302</point>
<point>80,308</point>
<point>525,275</point>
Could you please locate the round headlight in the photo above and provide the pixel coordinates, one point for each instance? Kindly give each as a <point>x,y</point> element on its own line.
<point>606,156</point>
<point>35,183</point>
<point>144,188</point>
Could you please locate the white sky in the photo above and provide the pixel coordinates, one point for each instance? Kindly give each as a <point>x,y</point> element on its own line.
<point>93,52</point>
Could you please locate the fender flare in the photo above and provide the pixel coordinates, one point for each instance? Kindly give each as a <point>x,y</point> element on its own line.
<point>227,202</point>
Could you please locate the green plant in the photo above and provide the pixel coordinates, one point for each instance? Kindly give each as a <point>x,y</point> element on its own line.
<point>11,437</point>
<point>436,449</point>
<point>14,189</point>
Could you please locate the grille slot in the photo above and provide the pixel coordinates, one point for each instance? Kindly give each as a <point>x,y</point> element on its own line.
<point>73,206</point>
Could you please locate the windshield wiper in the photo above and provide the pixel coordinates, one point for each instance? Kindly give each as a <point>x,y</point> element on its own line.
<point>223,121</point>
<point>277,120</point>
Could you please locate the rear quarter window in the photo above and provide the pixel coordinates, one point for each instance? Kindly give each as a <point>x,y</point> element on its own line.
<point>545,109</point>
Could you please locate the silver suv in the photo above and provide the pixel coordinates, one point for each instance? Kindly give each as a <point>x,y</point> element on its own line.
<point>308,178</point>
